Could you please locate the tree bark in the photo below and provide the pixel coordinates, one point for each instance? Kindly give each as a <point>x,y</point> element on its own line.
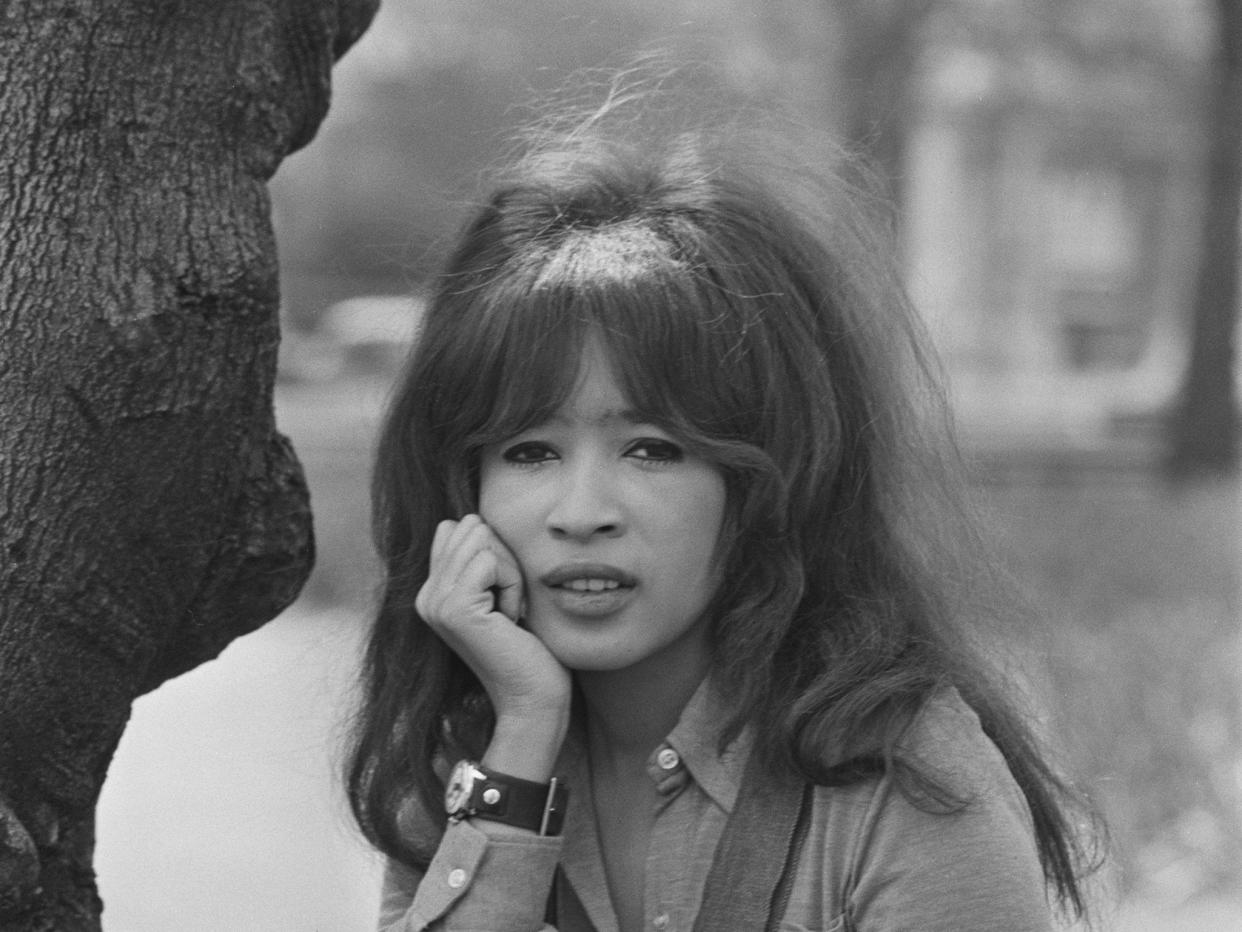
<point>149,510</point>
<point>1204,427</point>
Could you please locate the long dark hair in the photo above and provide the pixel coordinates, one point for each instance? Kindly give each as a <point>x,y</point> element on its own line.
<point>754,311</point>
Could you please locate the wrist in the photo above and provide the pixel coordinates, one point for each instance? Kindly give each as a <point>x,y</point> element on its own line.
<point>527,747</point>
<point>481,793</point>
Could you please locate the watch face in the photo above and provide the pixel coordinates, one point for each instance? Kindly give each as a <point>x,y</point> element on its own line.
<point>457,790</point>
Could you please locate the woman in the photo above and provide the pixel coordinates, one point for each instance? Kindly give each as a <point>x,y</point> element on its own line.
<point>676,582</point>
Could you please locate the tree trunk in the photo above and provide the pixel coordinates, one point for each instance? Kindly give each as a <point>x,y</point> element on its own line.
<point>1203,430</point>
<point>149,510</point>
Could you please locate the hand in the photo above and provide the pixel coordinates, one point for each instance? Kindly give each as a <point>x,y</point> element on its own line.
<point>473,599</point>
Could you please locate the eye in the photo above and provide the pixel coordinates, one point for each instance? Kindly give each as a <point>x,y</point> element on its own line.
<point>528,453</point>
<point>655,450</point>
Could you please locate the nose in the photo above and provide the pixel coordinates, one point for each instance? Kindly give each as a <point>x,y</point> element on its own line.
<point>587,504</point>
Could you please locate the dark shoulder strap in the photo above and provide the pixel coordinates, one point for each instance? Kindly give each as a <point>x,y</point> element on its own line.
<point>748,884</point>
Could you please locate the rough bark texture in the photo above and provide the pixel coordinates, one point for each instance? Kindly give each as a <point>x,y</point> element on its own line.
<point>149,510</point>
<point>1204,428</point>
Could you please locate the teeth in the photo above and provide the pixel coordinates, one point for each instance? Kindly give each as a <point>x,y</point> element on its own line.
<point>591,585</point>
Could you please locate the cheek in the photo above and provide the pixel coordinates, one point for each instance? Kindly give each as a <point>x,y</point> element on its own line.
<point>492,498</point>
<point>502,507</point>
<point>699,521</point>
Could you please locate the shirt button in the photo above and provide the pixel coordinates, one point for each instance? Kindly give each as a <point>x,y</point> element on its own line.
<point>660,921</point>
<point>668,759</point>
<point>456,878</point>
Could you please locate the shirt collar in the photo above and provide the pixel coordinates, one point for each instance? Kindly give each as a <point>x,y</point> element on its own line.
<point>695,738</point>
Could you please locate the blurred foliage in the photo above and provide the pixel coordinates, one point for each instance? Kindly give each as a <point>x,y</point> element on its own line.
<point>430,94</point>
<point>1137,593</point>
<point>428,98</point>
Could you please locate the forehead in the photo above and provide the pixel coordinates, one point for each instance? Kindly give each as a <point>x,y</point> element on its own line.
<point>597,397</point>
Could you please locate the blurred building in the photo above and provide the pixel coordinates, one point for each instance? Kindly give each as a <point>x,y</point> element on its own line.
<point>1052,229</point>
<point>1052,178</point>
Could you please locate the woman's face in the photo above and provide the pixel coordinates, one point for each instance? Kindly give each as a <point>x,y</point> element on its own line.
<point>615,527</point>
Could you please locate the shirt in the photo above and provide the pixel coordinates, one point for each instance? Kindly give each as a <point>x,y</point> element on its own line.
<point>872,861</point>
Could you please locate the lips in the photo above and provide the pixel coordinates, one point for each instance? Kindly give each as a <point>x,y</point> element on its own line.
<point>592,576</point>
<point>590,585</point>
<point>589,590</point>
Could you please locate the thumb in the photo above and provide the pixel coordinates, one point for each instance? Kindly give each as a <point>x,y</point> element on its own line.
<point>508,586</point>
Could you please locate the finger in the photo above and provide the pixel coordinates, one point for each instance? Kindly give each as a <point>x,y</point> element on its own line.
<point>450,550</point>
<point>458,582</point>
<point>428,593</point>
<point>480,583</point>
<point>439,542</point>
<point>467,538</point>
<point>452,606</point>
<point>509,584</point>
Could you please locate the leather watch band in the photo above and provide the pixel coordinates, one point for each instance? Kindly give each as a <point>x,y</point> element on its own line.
<point>476,792</point>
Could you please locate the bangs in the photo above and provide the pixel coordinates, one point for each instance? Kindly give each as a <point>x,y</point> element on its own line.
<point>674,338</point>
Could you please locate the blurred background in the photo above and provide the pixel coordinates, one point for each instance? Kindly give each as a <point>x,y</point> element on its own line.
<point>1053,162</point>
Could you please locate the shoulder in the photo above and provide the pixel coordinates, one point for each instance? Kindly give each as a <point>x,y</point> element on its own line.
<point>947,745</point>
<point>963,859</point>
<point>959,770</point>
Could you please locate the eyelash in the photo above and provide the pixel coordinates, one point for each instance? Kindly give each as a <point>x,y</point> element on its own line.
<point>516,453</point>
<point>668,452</point>
<point>659,452</point>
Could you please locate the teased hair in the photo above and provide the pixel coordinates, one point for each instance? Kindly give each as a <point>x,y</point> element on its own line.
<point>751,309</point>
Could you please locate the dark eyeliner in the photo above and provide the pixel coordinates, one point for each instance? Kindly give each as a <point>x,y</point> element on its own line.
<point>666,450</point>
<point>520,452</point>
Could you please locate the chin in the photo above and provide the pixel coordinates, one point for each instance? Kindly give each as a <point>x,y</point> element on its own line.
<point>578,660</point>
<point>586,654</point>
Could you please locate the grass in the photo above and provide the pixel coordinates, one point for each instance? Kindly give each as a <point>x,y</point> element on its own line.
<point>1135,590</point>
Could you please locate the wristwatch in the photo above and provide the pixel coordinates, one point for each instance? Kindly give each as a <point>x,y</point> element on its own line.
<point>474,792</point>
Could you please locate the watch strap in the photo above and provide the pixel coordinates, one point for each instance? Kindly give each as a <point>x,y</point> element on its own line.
<point>526,804</point>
